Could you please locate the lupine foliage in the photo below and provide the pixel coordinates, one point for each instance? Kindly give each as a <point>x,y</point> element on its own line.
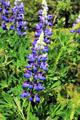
<point>60,100</point>
<point>57,98</point>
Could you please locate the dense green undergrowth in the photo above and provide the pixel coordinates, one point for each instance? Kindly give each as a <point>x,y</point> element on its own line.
<point>60,99</point>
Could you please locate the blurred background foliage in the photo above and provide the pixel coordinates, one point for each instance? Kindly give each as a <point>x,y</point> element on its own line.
<point>64,12</point>
<point>61,98</point>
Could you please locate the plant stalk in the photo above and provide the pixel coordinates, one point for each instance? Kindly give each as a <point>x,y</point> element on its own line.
<point>28,112</point>
<point>57,60</point>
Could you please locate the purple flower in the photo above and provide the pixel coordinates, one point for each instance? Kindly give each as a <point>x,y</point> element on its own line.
<point>18,16</point>
<point>40,12</point>
<point>31,85</point>
<point>24,94</point>
<point>11,27</point>
<point>37,26</point>
<point>50,17</point>
<point>41,77</point>
<point>35,76</point>
<point>4,26</point>
<point>34,69</point>
<point>26,84</point>
<point>37,60</point>
<point>5,12</point>
<point>30,99</point>
<point>75,26</point>
<point>27,75</point>
<point>37,98</point>
<point>38,86</point>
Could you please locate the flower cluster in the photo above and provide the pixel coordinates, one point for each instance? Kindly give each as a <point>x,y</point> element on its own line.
<point>45,20</point>
<point>4,10</point>
<point>76,26</point>
<point>17,18</point>
<point>37,65</point>
<point>36,68</point>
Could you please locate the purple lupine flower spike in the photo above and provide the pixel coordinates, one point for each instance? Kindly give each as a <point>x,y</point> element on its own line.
<point>37,60</point>
<point>45,20</point>
<point>4,13</point>
<point>18,18</point>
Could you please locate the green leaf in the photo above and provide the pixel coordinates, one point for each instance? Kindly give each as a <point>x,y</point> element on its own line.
<point>8,98</point>
<point>77,110</point>
<point>56,84</point>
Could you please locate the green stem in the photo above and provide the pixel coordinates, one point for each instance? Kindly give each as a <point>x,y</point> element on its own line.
<point>22,116</point>
<point>57,60</point>
<point>58,57</point>
<point>28,112</point>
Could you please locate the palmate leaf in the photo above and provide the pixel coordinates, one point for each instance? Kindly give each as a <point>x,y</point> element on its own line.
<point>33,117</point>
<point>49,118</point>
<point>59,112</point>
<point>77,110</point>
<point>2,117</point>
<point>8,98</point>
<point>11,105</point>
<point>55,112</point>
<point>19,108</point>
<point>56,84</point>
<point>4,104</point>
<point>7,103</point>
<point>4,84</point>
<point>50,88</point>
<point>18,104</point>
<point>16,90</point>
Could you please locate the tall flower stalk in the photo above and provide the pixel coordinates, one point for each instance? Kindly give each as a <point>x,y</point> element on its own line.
<point>4,13</point>
<point>37,60</point>
<point>18,18</point>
